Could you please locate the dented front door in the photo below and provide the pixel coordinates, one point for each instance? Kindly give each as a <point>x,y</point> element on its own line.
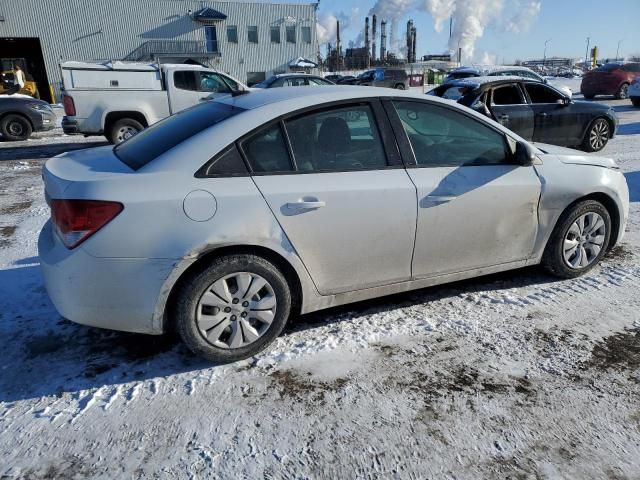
<point>471,217</point>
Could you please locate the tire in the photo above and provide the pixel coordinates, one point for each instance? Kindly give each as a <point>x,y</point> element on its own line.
<point>15,128</point>
<point>588,97</point>
<point>635,101</point>
<point>553,259</point>
<point>597,135</point>
<point>123,129</point>
<point>623,91</point>
<point>194,320</point>
<point>399,86</point>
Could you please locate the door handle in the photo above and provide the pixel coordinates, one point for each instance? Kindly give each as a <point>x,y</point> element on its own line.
<point>303,205</point>
<point>440,198</point>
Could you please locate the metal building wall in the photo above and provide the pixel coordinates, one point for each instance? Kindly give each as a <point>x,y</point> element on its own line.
<point>111,29</point>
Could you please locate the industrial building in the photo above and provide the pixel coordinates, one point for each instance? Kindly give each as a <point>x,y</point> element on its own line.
<point>250,41</point>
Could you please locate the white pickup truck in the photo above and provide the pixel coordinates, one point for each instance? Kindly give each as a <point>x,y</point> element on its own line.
<point>118,99</point>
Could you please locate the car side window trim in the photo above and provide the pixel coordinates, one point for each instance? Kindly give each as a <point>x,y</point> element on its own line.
<point>406,149</point>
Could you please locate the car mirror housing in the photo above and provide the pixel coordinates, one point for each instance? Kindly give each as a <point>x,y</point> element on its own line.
<point>563,101</point>
<point>524,154</point>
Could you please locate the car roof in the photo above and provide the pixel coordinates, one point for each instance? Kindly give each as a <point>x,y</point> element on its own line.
<point>311,96</point>
<point>479,81</point>
<point>283,75</point>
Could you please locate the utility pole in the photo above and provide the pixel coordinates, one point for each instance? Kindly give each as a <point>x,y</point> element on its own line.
<point>586,54</point>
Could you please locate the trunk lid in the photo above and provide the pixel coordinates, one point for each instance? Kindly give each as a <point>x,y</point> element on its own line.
<point>80,166</point>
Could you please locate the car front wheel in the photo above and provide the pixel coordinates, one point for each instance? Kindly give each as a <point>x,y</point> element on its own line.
<point>233,308</point>
<point>579,240</point>
<point>15,128</point>
<point>597,135</point>
<point>623,91</point>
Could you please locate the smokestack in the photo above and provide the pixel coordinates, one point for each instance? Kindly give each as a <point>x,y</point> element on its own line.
<point>413,46</point>
<point>338,44</point>
<point>383,40</point>
<point>373,41</point>
<point>366,41</point>
<point>408,40</point>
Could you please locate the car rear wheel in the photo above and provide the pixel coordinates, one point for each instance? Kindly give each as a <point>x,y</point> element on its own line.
<point>589,97</point>
<point>232,309</point>
<point>15,128</point>
<point>597,135</point>
<point>623,91</point>
<point>123,129</point>
<point>399,86</point>
<point>579,240</point>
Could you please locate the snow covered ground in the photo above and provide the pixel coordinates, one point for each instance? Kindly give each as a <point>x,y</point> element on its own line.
<point>515,375</point>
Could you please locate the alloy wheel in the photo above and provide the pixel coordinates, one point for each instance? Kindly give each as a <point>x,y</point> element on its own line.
<point>584,240</point>
<point>624,91</point>
<point>599,135</point>
<point>236,310</point>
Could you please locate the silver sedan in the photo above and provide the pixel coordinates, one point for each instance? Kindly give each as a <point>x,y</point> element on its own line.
<point>227,219</point>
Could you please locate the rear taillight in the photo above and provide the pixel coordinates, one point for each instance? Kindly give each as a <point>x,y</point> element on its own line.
<point>77,220</point>
<point>69,106</point>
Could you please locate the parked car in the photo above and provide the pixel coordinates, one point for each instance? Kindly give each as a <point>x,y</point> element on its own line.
<point>385,77</point>
<point>535,111</point>
<point>334,77</point>
<point>287,201</point>
<point>118,99</point>
<point>346,80</point>
<point>634,92</point>
<point>503,71</point>
<point>293,80</point>
<point>610,79</point>
<point>20,115</point>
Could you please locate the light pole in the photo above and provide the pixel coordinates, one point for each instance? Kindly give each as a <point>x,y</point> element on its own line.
<point>586,54</point>
<point>544,57</point>
<point>618,49</point>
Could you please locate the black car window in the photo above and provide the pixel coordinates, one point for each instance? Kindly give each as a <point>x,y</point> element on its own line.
<point>344,138</point>
<point>153,141</point>
<point>296,82</point>
<point>440,136</point>
<point>227,163</point>
<point>539,93</point>
<point>267,151</point>
<point>631,67</point>
<point>185,80</point>
<point>608,67</point>
<point>507,95</point>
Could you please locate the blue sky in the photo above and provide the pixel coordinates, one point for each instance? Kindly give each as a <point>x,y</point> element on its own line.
<point>566,22</point>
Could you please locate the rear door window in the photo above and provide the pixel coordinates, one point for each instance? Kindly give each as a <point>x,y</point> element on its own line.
<point>267,151</point>
<point>339,139</point>
<point>139,150</point>
<point>508,95</point>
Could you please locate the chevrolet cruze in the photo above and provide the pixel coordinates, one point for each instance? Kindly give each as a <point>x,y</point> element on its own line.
<point>225,220</point>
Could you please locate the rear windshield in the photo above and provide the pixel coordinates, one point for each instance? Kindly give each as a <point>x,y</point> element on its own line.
<point>609,67</point>
<point>150,143</point>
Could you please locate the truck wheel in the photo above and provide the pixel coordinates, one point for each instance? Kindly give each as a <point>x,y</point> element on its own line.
<point>15,127</point>
<point>123,129</point>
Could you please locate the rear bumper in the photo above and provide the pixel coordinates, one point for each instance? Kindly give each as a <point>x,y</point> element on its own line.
<point>70,127</point>
<point>112,293</point>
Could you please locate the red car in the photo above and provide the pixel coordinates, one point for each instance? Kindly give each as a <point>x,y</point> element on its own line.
<point>610,79</point>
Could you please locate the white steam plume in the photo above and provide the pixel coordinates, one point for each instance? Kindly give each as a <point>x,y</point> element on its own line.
<point>472,17</point>
<point>326,25</point>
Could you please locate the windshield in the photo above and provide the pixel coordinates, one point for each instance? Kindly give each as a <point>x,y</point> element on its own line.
<point>150,143</point>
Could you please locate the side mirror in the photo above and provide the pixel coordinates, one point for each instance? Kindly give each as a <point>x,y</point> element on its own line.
<point>524,154</point>
<point>563,101</point>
